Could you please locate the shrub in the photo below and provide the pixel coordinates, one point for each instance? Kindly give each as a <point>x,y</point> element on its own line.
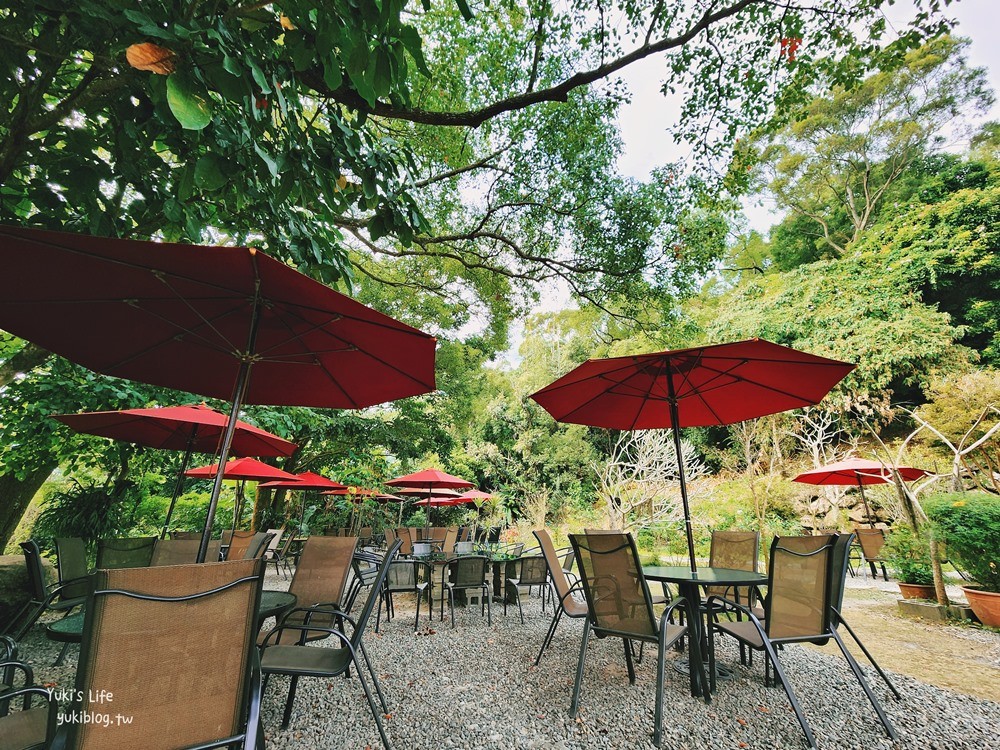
<point>969,524</point>
<point>909,556</point>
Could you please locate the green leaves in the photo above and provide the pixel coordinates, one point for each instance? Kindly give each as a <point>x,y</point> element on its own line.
<point>189,101</point>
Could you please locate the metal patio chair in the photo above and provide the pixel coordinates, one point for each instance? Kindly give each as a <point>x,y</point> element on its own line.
<point>619,605</point>
<point>125,553</point>
<point>798,608</point>
<point>569,598</point>
<point>295,659</point>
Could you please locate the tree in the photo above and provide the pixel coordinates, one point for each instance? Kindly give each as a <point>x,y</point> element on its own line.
<point>639,483</point>
<point>850,310</point>
<point>948,252</point>
<point>834,166</point>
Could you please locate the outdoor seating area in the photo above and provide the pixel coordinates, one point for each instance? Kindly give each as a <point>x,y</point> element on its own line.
<point>500,376</point>
<point>414,692</point>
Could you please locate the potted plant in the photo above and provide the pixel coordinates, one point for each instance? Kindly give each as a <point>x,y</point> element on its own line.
<point>969,525</point>
<point>909,556</point>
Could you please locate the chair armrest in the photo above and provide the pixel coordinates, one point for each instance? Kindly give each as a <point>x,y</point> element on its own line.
<point>26,693</point>
<point>737,606</point>
<point>674,604</point>
<point>304,629</point>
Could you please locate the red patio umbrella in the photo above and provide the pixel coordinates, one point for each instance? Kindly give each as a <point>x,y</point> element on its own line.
<point>200,318</point>
<point>858,471</point>
<point>306,480</point>
<point>472,496</point>
<point>700,386</point>
<point>190,428</point>
<point>242,469</point>
<point>425,482</point>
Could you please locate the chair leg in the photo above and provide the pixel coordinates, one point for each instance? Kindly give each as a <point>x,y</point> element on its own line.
<point>870,658</point>
<point>548,636</point>
<point>864,685</point>
<point>451,605</point>
<point>627,644</point>
<point>371,703</point>
<point>62,655</point>
<point>519,610</point>
<point>288,703</point>
<point>575,702</point>
<point>489,606</point>
<point>780,673</point>
<point>378,688</point>
<point>658,712</point>
<point>430,606</point>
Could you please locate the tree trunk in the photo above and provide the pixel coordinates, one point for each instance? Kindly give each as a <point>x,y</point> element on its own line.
<point>939,590</point>
<point>16,494</point>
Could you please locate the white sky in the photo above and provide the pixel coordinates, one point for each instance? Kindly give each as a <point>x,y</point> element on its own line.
<point>643,123</point>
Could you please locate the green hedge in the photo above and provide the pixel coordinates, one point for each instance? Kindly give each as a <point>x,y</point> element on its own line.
<point>969,524</point>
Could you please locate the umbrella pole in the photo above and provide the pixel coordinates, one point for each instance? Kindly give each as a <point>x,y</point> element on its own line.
<point>242,379</point>
<point>674,421</point>
<point>178,484</point>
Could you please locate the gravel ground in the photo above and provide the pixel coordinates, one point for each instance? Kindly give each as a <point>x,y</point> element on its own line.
<point>476,687</point>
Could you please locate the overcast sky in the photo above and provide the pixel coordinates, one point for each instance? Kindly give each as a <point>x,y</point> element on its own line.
<point>643,122</point>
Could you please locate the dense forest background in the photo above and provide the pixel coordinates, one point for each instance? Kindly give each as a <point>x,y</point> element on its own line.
<point>421,179</point>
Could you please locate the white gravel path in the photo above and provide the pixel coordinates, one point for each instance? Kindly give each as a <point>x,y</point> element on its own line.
<point>475,687</point>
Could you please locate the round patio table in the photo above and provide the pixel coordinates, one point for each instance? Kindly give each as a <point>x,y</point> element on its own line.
<point>688,583</point>
<point>272,604</point>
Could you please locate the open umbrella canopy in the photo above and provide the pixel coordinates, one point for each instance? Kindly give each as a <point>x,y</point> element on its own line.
<point>187,317</point>
<point>439,493</point>
<point>200,319</point>
<point>710,385</point>
<point>472,496</point>
<point>429,478</point>
<point>351,490</point>
<point>857,471</point>
<point>243,468</point>
<point>306,480</point>
<point>706,385</point>
<point>192,427</point>
<point>439,501</point>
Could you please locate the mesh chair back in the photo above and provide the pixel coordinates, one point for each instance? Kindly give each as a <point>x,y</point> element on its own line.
<point>374,593</point>
<point>403,534</point>
<point>438,533</point>
<point>736,550</point>
<point>177,552</point>
<point>617,595</point>
<point>272,546</point>
<point>125,553</point>
<point>258,545</point>
<point>799,587</point>
<point>871,541</point>
<point>179,668</point>
<point>407,575</point>
<point>227,537</point>
<point>185,535</point>
<point>320,578</point>
<point>532,571</point>
<point>468,571</point>
<point>365,534</point>
<point>838,569</point>
<point>71,562</point>
<point>450,537</point>
<point>556,570</point>
<point>239,544</point>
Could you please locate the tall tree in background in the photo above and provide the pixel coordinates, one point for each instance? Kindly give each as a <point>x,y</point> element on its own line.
<point>834,167</point>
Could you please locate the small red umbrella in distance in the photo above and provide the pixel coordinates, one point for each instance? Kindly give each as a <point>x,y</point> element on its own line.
<point>200,319</point>
<point>472,496</point>
<point>429,479</point>
<point>706,385</point>
<point>243,469</point>
<point>306,480</point>
<point>858,471</point>
<point>192,428</point>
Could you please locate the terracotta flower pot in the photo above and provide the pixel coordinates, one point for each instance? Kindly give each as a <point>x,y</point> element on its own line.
<point>917,591</point>
<point>985,605</point>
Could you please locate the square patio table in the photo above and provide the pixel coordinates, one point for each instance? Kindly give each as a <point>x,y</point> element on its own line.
<point>688,583</point>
